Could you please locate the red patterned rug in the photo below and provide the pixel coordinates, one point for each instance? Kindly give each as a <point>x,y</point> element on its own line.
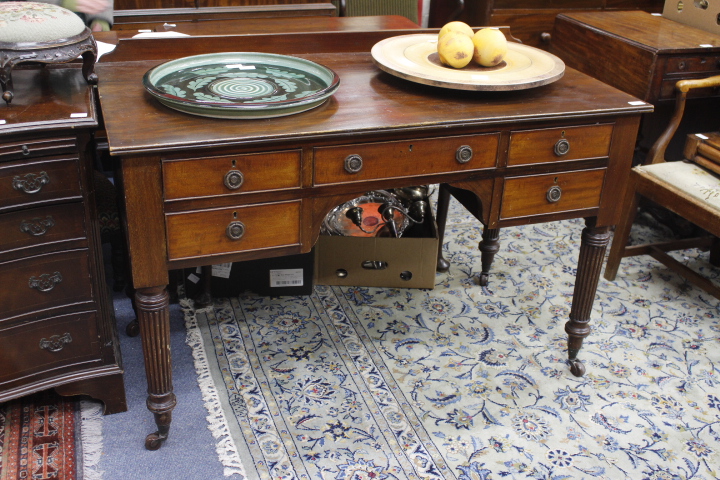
<point>41,438</point>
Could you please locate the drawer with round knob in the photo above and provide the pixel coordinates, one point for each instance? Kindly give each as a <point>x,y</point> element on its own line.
<point>559,144</point>
<point>558,192</point>
<point>227,230</point>
<point>35,147</point>
<point>231,175</point>
<point>27,183</point>
<point>370,161</point>
<point>45,281</point>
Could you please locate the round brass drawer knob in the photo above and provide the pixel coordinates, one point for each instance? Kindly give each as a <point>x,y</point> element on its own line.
<point>353,163</point>
<point>235,230</point>
<point>464,154</point>
<point>553,194</point>
<point>562,147</point>
<point>233,179</point>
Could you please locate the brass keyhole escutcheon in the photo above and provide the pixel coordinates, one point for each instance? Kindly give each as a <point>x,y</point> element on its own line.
<point>235,230</point>
<point>353,163</point>
<point>464,154</point>
<point>553,194</point>
<point>562,147</point>
<point>233,179</point>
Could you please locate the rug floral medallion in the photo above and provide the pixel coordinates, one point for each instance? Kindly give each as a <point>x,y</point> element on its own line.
<point>464,382</point>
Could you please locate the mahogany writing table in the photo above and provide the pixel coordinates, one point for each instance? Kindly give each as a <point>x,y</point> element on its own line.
<point>554,152</point>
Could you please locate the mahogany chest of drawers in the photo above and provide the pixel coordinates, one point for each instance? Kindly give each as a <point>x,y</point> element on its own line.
<point>57,327</point>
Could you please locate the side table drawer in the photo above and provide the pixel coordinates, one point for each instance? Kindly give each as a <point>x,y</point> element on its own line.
<point>558,192</point>
<point>42,225</point>
<point>355,163</point>
<point>559,144</point>
<point>45,281</point>
<point>36,147</point>
<point>26,183</point>
<point>203,177</point>
<point>37,347</point>
<point>227,230</point>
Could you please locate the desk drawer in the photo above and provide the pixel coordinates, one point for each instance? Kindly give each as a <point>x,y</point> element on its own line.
<point>37,347</point>
<point>227,230</point>
<point>45,281</point>
<point>709,64</point>
<point>32,148</point>
<point>42,225</point>
<point>26,183</point>
<point>559,144</point>
<point>356,163</point>
<point>558,192</point>
<point>203,177</point>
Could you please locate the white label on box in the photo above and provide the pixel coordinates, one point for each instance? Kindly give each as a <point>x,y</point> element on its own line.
<point>701,136</point>
<point>290,277</point>
<point>193,278</point>
<point>222,270</point>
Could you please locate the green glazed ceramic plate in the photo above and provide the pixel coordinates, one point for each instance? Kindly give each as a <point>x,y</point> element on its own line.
<point>241,84</point>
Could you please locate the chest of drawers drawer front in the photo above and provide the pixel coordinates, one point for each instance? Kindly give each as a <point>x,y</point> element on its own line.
<point>227,230</point>
<point>42,225</point>
<point>709,64</point>
<point>203,177</point>
<point>45,281</point>
<point>33,148</point>
<point>27,183</point>
<point>558,192</point>
<point>559,144</point>
<point>349,163</point>
<point>42,346</point>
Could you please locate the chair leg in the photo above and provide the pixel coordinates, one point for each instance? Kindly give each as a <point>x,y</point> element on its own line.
<point>629,208</point>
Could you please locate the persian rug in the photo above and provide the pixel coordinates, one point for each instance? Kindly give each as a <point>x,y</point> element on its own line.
<point>45,436</point>
<point>465,382</point>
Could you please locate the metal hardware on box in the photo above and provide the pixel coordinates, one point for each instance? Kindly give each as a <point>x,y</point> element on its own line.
<point>553,194</point>
<point>235,230</point>
<point>25,150</point>
<point>55,343</point>
<point>233,179</point>
<point>37,226</point>
<point>31,183</point>
<point>463,154</point>
<point>45,282</point>
<point>562,147</point>
<point>374,265</point>
<point>353,163</point>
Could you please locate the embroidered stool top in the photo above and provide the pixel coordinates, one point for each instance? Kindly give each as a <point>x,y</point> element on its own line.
<point>42,33</point>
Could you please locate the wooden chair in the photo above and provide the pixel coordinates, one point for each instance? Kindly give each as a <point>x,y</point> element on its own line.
<point>690,188</point>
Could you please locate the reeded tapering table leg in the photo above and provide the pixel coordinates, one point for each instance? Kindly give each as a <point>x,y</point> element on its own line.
<point>154,319</point>
<point>489,246</point>
<point>592,252</point>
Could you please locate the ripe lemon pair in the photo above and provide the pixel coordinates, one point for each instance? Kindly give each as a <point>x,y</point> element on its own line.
<point>458,45</point>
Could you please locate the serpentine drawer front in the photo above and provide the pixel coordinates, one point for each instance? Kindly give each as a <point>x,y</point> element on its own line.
<point>48,344</point>
<point>356,163</point>
<point>34,147</point>
<point>557,192</point>
<point>226,230</point>
<point>45,281</point>
<point>559,144</point>
<point>23,184</point>
<point>42,225</point>
<point>228,175</point>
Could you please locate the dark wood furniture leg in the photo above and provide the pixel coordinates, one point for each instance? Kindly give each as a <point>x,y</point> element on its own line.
<point>154,319</point>
<point>489,246</point>
<point>443,204</point>
<point>592,252</point>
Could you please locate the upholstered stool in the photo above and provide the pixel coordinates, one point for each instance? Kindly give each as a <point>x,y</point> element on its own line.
<point>42,33</point>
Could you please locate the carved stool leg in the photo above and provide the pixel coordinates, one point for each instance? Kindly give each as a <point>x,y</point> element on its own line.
<point>489,246</point>
<point>154,319</point>
<point>6,82</point>
<point>443,204</point>
<point>592,252</point>
<point>88,68</point>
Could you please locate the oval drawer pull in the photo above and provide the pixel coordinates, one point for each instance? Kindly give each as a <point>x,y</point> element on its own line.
<point>562,147</point>
<point>55,343</point>
<point>30,183</point>
<point>553,194</point>
<point>45,282</point>
<point>233,179</point>
<point>464,154</point>
<point>37,226</point>
<point>235,230</point>
<point>353,163</point>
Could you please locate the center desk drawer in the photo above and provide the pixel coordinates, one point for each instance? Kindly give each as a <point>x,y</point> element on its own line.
<point>204,177</point>
<point>559,144</point>
<point>552,193</point>
<point>360,162</point>
<point>227,230</point>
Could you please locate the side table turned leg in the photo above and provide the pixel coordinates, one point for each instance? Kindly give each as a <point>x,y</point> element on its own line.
<point>489,246</point>
<point>154,319</point>
<point>592,252</point>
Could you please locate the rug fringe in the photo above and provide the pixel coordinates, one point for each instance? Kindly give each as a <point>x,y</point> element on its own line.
<point>92,440</point>
<point>217,423</point>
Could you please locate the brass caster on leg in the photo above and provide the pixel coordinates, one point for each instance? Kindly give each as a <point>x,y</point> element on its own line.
<point>577,368</point>
<point>132,329</point>
<point>484,279</point>
<point>155,440</point>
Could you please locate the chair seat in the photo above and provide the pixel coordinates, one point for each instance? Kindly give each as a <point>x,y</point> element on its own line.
<point>690,181</point>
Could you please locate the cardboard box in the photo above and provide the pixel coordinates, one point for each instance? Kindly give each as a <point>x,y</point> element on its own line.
<point>406,262</point>
<point>704,15</point>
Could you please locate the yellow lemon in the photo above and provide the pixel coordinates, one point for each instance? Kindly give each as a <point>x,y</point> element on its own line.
<point>456,26</point>
<point>490,47</point>
<point>455,49</point>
